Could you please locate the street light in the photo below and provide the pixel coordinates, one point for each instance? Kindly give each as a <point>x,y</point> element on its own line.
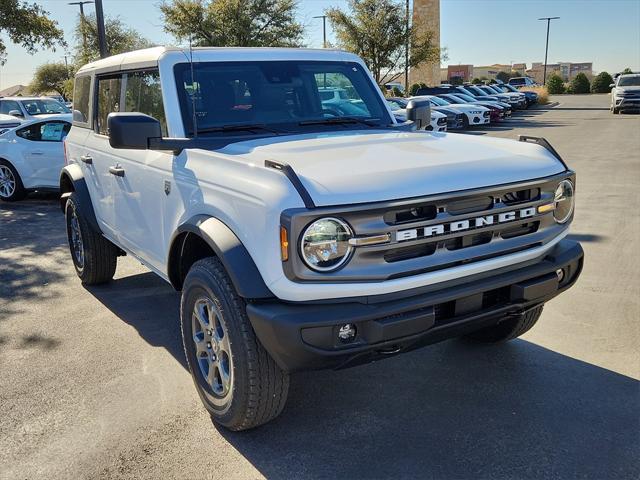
<point>324,29</point>
<point>546,49</point>
<point>81,5</point>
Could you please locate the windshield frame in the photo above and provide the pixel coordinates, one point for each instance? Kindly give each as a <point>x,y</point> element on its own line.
<point>300,125</point>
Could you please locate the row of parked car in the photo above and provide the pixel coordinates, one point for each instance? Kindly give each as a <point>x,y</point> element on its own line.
<point>455,107</point>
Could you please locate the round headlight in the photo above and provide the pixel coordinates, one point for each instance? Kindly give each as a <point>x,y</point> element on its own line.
<point>564,201</point>
<point>325,244</point>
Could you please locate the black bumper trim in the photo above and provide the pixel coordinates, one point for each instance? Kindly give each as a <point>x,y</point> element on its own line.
<point>302,336</point>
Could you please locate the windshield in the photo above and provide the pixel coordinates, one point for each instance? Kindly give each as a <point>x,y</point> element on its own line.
<point>439,101</point>
<point>44,106</point>
<point>509,88</point>
<point>467,98</point>
<point>453,99</point>
<point>287,96</point>
<point>630,81</point>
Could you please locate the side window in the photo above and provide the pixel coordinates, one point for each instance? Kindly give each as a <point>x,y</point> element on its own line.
<point>81,97</point>
<point>45,131</point>
<point>143,94</point>
<point>108,101</point>
<point>8,105</point>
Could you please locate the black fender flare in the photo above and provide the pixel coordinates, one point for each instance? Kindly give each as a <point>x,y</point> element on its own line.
<point>72,174</point>
<point>237,261</point>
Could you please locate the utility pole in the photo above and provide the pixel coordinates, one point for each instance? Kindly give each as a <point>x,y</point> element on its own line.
<point>102,37</point>
<point>406,49</point>
<point>546,48</point>
<point>81,4</point>
<point>324,29</point>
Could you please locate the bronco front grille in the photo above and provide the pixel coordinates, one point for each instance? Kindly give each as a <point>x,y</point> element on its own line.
<point>435,233</point>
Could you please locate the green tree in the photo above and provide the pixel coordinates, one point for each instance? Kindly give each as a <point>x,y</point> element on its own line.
<point>555,84</point>
<point>626,71</point>
<point>234,23</point>
<point>503,76</point>
<point>456,80</point>
<point>28,25</point>
<point>51,77</point>
<point>413,90</point>
<point>376,31</point>
<point>580,84</point>
<point>476,81</point>
<point>601,82</point>
<point>120,39</point>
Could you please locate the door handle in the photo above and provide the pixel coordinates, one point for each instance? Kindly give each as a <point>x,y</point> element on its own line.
<point>86,159</point>
<point>117,171</point>
<point>37,152</point>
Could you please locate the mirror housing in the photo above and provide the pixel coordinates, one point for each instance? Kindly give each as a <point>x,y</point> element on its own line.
<point>132,130</point>
<point>419,112</point>
<point>16,113</point>
<point>612,85</point>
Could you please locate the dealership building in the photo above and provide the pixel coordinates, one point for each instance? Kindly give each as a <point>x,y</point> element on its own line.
<point>567,70</point>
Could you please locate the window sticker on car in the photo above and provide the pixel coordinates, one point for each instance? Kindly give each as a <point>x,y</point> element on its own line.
<point>52,132</point>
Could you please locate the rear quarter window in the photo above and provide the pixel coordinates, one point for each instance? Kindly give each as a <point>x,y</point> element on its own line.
<point>81,100</point>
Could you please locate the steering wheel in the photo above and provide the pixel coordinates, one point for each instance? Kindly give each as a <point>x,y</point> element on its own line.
<point>332,111</point>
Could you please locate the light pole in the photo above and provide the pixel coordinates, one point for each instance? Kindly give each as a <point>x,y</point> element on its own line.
<point>102,37</point>
<point>406,49</point>
<point>81,4</point>
<point>546,49</point>
<point>324,29</point>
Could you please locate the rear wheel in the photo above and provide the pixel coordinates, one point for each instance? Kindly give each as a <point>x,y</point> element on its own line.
<point>238,382</point>
<point>11,188</point>
<point>94,257</point>
<point>508,329</point>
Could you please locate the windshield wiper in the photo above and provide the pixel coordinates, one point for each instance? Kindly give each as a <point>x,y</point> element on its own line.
<point>341,120</point>
<point>238,128</point>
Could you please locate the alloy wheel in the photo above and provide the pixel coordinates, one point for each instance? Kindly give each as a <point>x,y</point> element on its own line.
<point>212,349</point>
<point>77,247</point>
<point>7,182</point>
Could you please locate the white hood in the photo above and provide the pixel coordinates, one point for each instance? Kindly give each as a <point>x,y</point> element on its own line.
<point>370,166</point>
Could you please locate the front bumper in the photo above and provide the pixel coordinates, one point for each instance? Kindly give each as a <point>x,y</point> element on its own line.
<point>302,336</point>
<point>627,102</point>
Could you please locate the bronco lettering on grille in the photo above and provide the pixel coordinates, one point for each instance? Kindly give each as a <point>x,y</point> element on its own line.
<point>462,225</point>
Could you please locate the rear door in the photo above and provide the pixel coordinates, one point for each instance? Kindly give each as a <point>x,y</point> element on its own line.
<point>43,150</point>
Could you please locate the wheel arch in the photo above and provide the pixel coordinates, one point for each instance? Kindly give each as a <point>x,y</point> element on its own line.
<point>203,236</point>
<point>72,180</point>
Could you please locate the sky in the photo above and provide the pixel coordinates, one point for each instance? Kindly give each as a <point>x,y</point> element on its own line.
<point>478,32</point>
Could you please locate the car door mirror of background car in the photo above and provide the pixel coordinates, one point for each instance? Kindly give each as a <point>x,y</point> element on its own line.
<point>16,113</point>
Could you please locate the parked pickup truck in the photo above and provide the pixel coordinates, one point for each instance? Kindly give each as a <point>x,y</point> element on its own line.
<point>302,237</point>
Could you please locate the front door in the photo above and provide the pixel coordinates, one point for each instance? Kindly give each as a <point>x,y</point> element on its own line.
<point>43,150</point>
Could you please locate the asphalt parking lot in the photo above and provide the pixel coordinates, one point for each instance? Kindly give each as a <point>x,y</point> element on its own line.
<point>93,381</point>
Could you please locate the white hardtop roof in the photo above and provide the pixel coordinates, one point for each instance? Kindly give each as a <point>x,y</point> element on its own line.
<point>150,57</point>
<point>43,97</point>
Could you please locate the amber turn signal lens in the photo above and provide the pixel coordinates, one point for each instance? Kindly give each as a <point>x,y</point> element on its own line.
<point>546,208</point>
<point>284,244</point>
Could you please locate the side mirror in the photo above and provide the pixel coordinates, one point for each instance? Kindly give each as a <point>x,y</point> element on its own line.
<point>612,85</point>
<point>132,130</point>
<point>16,113</point>
<point>419,112</point>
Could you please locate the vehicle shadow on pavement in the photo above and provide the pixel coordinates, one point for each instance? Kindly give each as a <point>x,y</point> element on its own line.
<point>148,304</point>
<point>454,411</point>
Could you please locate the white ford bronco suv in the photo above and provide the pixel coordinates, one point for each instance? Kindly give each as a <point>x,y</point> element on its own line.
<point>301,236</point>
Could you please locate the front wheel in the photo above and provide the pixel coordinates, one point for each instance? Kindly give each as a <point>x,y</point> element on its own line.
<point>237,380</point>
<point>94,257</point>
<point>507,329</point>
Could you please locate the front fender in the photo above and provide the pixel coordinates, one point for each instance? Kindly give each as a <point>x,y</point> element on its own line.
<point>232,253</point>
<point>72,180</point>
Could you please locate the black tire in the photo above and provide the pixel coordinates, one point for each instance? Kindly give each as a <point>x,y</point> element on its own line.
<point>255,389</point>
<point>10,174</point>
<point>507,329</point>
<point>615,110</point>
<point>94,257</point>
<point>465,122</point>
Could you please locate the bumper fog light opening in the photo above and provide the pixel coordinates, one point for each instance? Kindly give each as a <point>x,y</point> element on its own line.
<point>560,274</point>
<point>347,333</point>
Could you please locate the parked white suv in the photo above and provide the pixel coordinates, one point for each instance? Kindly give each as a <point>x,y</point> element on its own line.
<point>300,237</point>
<point>625,93</point>
<point>31,108</point>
